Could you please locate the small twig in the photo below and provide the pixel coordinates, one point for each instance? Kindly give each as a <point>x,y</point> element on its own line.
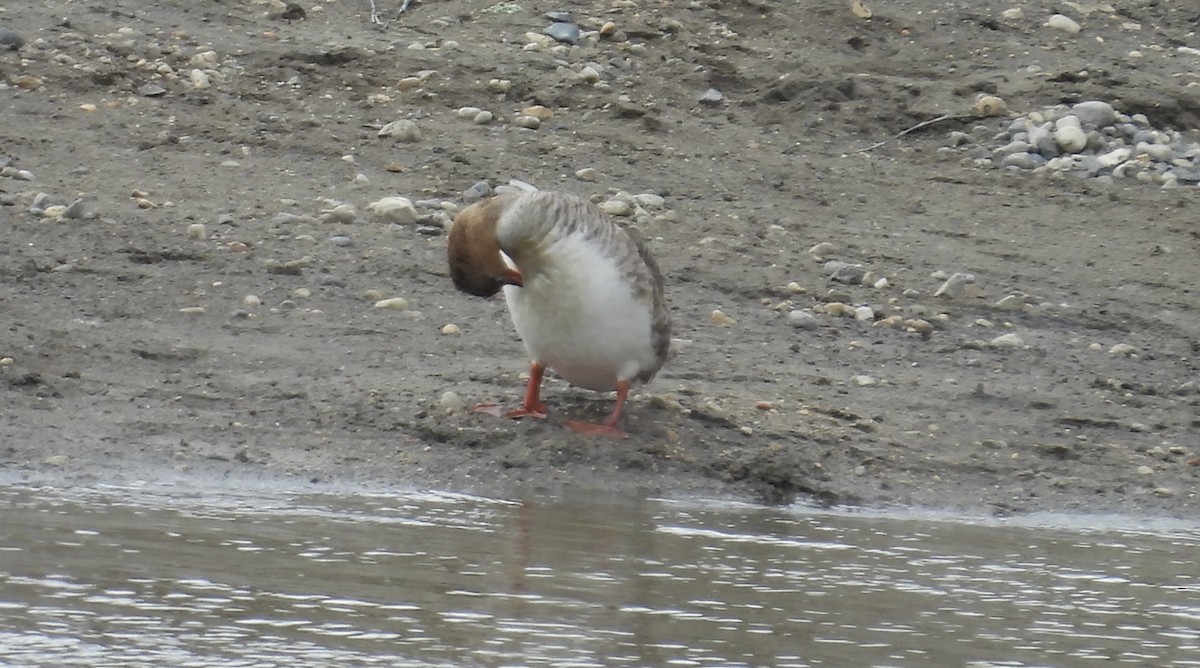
<point>918,126</point>
<point>384,24</point>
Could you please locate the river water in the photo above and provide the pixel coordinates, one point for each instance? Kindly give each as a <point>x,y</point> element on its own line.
<point>163,575</point>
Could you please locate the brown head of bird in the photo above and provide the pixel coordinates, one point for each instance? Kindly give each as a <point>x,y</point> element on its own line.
<point>476,264</point>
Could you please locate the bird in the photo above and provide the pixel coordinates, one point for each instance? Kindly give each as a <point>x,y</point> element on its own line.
<point>584,293</point>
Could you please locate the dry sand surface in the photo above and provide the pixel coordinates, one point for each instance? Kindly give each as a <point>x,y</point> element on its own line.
<point>131,349</point>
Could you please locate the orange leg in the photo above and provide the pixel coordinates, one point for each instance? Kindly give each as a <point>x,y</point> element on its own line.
<point>531,406</point>
<point>609,428</point>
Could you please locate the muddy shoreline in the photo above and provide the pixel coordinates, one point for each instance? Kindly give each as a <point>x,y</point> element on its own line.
<point>133,350</point>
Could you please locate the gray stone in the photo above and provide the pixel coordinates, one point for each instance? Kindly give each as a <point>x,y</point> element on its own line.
<point>563,32</point>
<point>477,192</point>
<point>712,97</point>
<point>10,40</point>
<point>1095,113</point>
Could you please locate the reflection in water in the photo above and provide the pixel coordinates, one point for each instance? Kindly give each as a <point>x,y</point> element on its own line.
<point>169,577</point>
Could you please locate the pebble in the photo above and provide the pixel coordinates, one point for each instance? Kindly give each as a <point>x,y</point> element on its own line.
<point>1063,23</point>
<point>822,249</point>
<point>477,192</point>
<point>450,329</point>
<point>192,310</point>
<point>197,231</point>
<point>11,40</point>
<point>863,381</point>
<point>955,286</point>
<point>922,327</point>
<point>717,317</point>
<point>199,79</point>
<point>395,209</point>
<point>340,240</point>
<point>991,105</point>
<point>1008,341</point>
<point>617,207</point>
<point>588,74</point>
<point>1094,113</point>
<point>79,209</point>
<point>499,85</point>
<point>1122,349</point>
<point>451,402</point>
<point>1145,470</point>
<point>864,314</point>
<point>538,111</point>
<point>845,273</point>
<point>483,118</point>
<point>251,301</point>
<point>374,295</point>
<point>57,460</point>
<point>649,201</point>
<point>711,97</point>
<point>54,211</point>
<point>562,31</point>
<point>342,213</point>
<point>1010,302</point>
<point>404,130</point>
<point>527,122</point>
<point>394,303</point>
<point>1165,492</point>
<point>1070,138</point>
<point>587,174</point>
<point>802,320</point>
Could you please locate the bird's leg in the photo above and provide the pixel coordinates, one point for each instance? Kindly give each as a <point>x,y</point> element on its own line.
<point>531,406</point>
<point>609,428</point>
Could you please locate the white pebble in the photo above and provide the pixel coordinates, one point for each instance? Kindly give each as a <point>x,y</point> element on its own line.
<point>394,303</point>
<point>863,381</point>
<point>1064,23</point>
<point>991,105</point>
<point>483,118</point>
<point>452,402</point>
<point>199,79</point>
<point>1122,349</point>
<point>802,320</point>
<point>197,231</point>
<point>251,301</point>
<point>589,74</point>
<point>955,286</point>
<point>649,201</point>
<point>587,174</point>
<point>499,85</point>
<point>718,317</point>
<point>342,213</point>
<point>404,130</point>
<point>398,210</point>
<point>864,314</point>
<point>1010,302</point>
<point>1010,341</point>
<point>450,329</point>
<point>616,207</point>
<point>528,122</point>
<point>467,112</point>
<point>1070,138</point>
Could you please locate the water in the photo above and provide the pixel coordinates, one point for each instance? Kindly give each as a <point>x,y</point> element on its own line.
<point>171,576</point>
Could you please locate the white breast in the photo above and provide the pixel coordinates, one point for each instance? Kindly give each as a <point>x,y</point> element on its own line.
<point>580,317</point>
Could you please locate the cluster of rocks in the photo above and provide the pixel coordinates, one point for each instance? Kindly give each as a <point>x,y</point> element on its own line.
<point>1091,139</point>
